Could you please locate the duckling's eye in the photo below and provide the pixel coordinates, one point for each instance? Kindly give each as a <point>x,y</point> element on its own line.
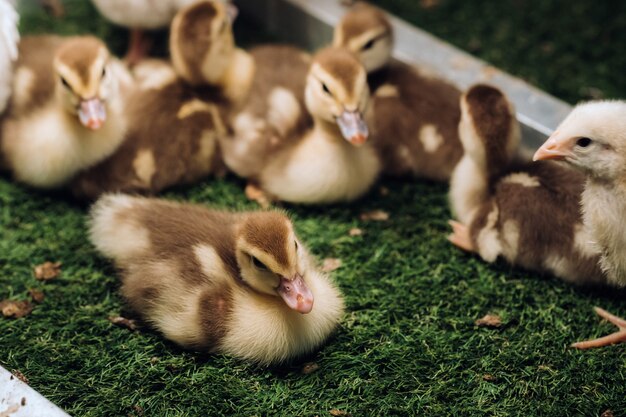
<point>258,264</point>
<point>368,45</point>
<point>583,142</point>
<point>104,72</point>
<point>296,243</point>
<point>326,90</point>
<point>65,83</point>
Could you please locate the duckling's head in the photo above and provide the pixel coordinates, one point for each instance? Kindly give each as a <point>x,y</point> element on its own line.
<point>366,31</point>
<point>270,261</point>
<point>337,92</point>
<point>488,129</point>
<point>201,41</point>
<point>592,139</point>
<point>84,81</point>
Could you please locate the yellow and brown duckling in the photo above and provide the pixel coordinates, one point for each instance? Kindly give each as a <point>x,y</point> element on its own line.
<point>329,162</point>
<point>241,284</point>
<point>176,114</point>
<point>527,214</point>
<point>592,141</point>
<point>67,110</point>
<point>414,115</point>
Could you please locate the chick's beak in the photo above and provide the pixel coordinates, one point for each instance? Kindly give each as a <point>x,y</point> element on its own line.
<point>92,113</point>
<point>353,127</point>
<point>553,148</point>
<point>296,294</point>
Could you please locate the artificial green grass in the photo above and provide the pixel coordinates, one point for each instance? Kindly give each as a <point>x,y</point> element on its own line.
<point>406,346</point>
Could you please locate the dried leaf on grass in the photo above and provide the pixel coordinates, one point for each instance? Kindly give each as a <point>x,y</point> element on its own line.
<point>47,271</point>
<point>489,378</point>
<point>429,4</point>
<point>15,309</point>
<point>339,413</point>
<point>376,215</point>
<point>19,376</point>
<point>607,413</point>
<point>36,295</point>
<point>330,264</point>
<point>355,231</point>
<point>309,368</point>
<point>490,320</point>
<point>123,322</point>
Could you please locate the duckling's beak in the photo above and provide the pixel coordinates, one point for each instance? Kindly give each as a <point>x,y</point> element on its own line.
<point>353,127</point>
<point>232,12</point>
<point>296,294</point>
<point>92,113</point>
<point>553,148</point>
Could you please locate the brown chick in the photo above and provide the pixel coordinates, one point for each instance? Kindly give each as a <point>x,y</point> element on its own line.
<point>235,283</point>
<point>592,140</point>
<point>328,162</point>
<point>274,109</point>
<point>527,214</point>
<point>67,110</point>
<point>176,115</point>
<point>414,116</point>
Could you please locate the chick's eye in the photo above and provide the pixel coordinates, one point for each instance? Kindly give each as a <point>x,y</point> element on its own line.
<point>326,90</point>
<point>583,142</point>
<point>260,265</point>
<point>368,45</point>
<point>296,244</point>
<point>104,72</point>
<point>65,83</point>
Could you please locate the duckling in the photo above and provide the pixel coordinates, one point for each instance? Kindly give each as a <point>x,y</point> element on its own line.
<point>66,113</point>
<point>178,111</point>
<point>9,39</point>
<point>274,107</point>
<point>329,161</point>
<point>414,115</point>
<point>140,15</point>
<point>528,213</point>
<point>592,141</point>
<point>235,283</point>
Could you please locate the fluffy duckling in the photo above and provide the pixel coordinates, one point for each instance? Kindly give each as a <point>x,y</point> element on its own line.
<point>140,15</point>
<point>592,140</point>
<point>527,214</point>
<point>274,108</point>
<point>176,114</point>
<point>329,161</point>
<point>9,39</point>
<point>234,283</point>
<point>414,116</point>
<point>66,113</point>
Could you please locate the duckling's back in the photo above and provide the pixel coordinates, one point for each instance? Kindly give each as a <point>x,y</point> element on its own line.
<point>34,80</point>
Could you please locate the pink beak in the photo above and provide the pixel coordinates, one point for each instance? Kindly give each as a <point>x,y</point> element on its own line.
<point>296,294</point>
<point>553,149</point>
<point>92,113</point>
<point>353,127</point>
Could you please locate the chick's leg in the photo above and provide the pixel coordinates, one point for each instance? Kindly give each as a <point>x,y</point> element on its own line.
<point>138,48</point>
<point>617,337</point>
<point>460,236</point>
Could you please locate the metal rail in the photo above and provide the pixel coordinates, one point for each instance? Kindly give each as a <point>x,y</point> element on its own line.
<point>309,23</point>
